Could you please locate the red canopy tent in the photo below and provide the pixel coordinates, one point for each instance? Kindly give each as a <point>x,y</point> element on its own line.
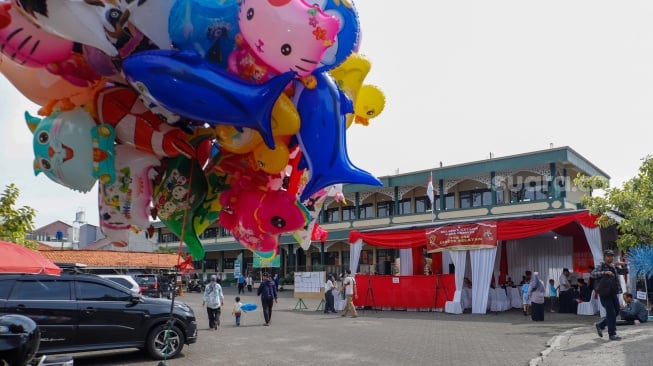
<point>507,228</point>
<point>16,258</point>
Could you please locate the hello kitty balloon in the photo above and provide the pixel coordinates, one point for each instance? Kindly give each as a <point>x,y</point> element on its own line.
<point>286,35</point>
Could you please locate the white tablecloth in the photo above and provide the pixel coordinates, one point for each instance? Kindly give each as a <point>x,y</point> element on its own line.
<point>514,295</point>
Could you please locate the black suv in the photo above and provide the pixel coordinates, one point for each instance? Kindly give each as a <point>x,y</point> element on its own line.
<point>153,285</point>
<point>82,312</point>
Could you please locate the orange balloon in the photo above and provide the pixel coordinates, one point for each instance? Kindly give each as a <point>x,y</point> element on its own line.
<point>44,88</point>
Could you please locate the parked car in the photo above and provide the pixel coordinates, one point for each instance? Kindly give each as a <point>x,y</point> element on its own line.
<point>125,280</point>
<point>153,285</point>
<point>82,312</point>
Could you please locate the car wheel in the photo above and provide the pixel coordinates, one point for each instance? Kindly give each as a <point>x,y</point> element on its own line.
<point>165,343</point>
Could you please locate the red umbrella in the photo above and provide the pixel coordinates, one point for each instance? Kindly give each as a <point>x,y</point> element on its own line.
<point>16,258</point>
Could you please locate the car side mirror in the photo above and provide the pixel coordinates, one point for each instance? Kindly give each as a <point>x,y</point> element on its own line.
<point>135,298</point>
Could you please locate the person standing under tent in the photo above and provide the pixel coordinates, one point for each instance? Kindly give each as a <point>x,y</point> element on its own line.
<point>553,294</point>
<point>213,299</point>
<point>609,288</point>
<point>536,296</point>
<point>565,294</point>
<point>268,292</point>
<point>349,285</point>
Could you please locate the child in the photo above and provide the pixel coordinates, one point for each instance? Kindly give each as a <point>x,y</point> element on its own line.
<point>525,299</point>
<point>553,294</point>
<point>236,311</point>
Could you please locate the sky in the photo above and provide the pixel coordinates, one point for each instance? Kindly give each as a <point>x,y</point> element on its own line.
<point>462,79</point>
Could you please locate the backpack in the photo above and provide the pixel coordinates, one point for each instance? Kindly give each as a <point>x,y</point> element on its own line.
<point>268,292</point>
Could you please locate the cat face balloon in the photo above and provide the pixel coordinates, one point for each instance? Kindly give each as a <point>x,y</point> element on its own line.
<point>288,35</point>
<point>71,149</point>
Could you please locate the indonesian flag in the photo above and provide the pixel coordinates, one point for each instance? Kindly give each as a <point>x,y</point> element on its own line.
<point>429,190</point>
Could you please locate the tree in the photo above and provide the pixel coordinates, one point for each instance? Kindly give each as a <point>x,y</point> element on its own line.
<point>634,202</point>
<point>15,223</point>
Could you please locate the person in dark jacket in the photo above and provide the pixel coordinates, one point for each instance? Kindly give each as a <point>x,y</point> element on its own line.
<point>609,288</point>
<point>634,311</point>
<point>584,291</point>
<point>268,292</point>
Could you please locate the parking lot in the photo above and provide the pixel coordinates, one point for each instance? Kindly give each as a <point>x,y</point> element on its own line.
<point>303,337</point>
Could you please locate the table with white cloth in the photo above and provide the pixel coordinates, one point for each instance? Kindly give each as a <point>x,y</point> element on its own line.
<point>515,296</point>
<point>466,298</point>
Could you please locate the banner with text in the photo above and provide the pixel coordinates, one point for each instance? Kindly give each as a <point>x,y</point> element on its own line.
<point>462,237</point>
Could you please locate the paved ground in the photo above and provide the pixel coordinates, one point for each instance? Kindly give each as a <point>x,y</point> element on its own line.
<point>313,338</point>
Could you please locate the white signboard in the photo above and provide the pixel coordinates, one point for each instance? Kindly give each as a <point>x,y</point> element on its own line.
<point>310,282</point>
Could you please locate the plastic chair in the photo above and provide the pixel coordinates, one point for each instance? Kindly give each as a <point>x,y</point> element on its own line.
<point>588,307</point>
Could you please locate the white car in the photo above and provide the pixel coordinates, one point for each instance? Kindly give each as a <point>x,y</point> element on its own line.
<point>124,280</point>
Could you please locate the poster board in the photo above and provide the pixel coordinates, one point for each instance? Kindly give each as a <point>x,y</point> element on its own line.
<point>309,285</point>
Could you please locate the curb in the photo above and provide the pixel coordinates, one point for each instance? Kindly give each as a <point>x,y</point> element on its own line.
<point>552,345</point>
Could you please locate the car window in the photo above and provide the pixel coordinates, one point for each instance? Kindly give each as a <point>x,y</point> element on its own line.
<point>120,281</point>
<point>146,280</point>
<point>5,287</point>
<point>92,291</point>
<point>41,290</point>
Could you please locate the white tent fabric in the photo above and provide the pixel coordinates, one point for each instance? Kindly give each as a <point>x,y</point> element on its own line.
<point>355,255</point>
<point>593,236</point>
<point>406,262</point>
<point>497,263</point>
<point>539,254</point>
<point>482,265</point>
<point>459,257</point>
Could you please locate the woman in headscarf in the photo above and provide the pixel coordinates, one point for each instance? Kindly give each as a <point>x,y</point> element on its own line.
<point>536,296</point>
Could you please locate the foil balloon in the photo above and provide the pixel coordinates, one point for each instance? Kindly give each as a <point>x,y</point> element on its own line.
<point>207,27</point>
<point>150,18</point>
<point>95,23</point>
<point>124,205</point>
<point>188,85</point>
<point>27,44</point>
<point>71,150</point>
<point>348,38</point>
<point>314,206</point>
<point>257,217</point>
<point>179,190</point>
<point>284,35</point>
<point>369,104</point>
<point>322,138</point>
<point>349,77</point>
<point>43,88</point>
<point>137,126</point>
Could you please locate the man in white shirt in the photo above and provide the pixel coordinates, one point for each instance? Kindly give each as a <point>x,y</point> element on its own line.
<point>350,292</point>
<point>565,295</point>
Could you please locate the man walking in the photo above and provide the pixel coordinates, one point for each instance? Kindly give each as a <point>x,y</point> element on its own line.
<point>349,285</point>
<point>609,288</point>
<point>268,292</point>
<point>213,299</point>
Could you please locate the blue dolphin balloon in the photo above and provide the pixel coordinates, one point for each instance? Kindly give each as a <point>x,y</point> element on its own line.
<point>322,137</point>
<point>186,84</point>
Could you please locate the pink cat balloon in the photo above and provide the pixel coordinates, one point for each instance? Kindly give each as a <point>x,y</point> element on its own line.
<point>124,205</point>
<point>256,217</point>
<point>284,35</point>
<point>27,44</point>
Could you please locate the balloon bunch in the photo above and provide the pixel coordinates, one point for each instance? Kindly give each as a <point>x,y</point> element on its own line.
<point>194,111</point>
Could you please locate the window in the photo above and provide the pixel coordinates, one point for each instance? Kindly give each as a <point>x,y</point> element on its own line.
<point>404,207</point>
<point>229,263</point>
<point>366,257</point>
<point>41,290</point>
<point>422,204</point>
<point>449,201</point>
<point>211,232</point>
<point>365,211</point>
<point>384,209</point>
<point>169,238</point>
<point>348,213</point>
<point>500,196</point>
<point>536,190</point>
<point>333,214</point>
<point>91,291</point>
<point>475,198</point>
